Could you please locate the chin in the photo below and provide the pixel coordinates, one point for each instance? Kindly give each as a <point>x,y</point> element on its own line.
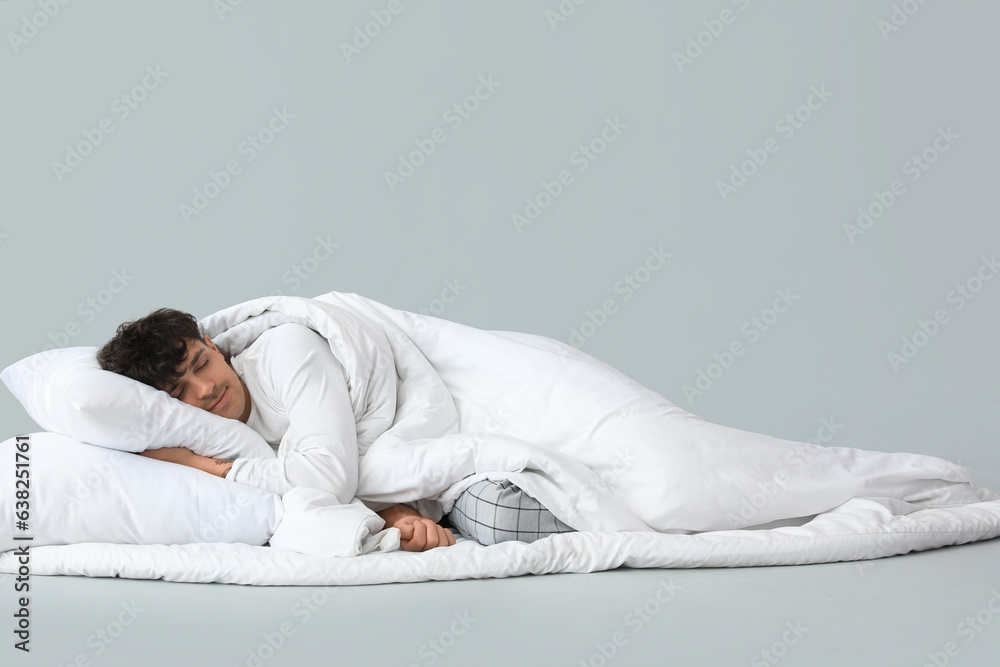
<point>233,411</point>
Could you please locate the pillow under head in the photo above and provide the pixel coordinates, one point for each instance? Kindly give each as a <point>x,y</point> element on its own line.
<point>66,391</point>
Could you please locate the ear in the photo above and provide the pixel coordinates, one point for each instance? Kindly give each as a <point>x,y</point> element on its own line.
<point>209,343</point>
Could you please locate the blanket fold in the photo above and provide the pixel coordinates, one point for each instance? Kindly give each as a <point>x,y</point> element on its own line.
<point>315,523</point>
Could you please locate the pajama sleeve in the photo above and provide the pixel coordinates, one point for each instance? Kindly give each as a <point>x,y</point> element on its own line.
<point>320,449</point>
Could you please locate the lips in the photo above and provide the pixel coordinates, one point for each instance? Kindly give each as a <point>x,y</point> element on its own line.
<point>222,399</point>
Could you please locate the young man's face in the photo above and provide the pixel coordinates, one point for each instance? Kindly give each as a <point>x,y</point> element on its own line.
<point>210,383</point>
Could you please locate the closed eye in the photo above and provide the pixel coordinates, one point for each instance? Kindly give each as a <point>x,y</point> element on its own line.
<point>178,396</point>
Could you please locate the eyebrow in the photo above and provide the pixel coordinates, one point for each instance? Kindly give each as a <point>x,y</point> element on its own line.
<point>170,389</point>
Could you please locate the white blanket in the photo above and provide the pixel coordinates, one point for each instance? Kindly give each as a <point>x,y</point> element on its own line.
<point>647,483</point>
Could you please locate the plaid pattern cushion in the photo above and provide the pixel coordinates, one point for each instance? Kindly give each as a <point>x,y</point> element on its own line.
<point>491,512</point>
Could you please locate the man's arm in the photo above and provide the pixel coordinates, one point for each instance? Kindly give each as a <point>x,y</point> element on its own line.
<point>217,467</point>
<point>320,447</point>
<point>184,456</point>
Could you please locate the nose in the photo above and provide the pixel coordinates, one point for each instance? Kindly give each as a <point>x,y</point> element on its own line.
<point>202,388</point>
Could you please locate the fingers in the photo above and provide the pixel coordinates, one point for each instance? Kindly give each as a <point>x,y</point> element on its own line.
<point>437,535</point>
<point>418,539</point>
<point>427,533</point>
<point>424,534</point>
<point>410,538</point>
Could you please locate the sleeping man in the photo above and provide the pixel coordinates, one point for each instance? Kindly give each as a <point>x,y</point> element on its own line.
<point>289,387</point>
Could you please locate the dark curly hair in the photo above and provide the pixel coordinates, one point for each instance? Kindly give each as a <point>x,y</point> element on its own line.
<point>151,348</point>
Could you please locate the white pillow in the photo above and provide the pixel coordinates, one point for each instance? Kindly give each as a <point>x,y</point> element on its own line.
<point>66,391</point>
<point>82,493</point>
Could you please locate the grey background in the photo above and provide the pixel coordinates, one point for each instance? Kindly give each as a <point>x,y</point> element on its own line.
<point>323,177</point>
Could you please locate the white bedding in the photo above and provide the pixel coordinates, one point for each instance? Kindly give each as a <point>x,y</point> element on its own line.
<point>648,483</point>
<point>858,530</point>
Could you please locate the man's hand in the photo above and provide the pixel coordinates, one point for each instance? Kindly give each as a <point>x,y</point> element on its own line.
<point>417,533</point>
<point>186,457</point>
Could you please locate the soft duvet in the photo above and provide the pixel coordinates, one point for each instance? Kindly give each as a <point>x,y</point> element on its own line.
<point>646,483</point>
